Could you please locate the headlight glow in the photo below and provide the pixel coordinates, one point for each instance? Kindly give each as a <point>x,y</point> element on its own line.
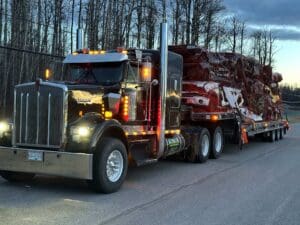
<point>4,127</point>
<point>83,131</point>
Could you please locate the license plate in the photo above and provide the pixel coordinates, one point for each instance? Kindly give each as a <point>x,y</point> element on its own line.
<point>35,156</point>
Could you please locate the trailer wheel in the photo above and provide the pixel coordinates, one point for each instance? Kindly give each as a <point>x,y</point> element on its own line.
<point>16,176</point>
<point>110,165</point>
<point>280,133</point>
<point>199,151</point>
<point>284,130</point>
<point>276,135</point>
<point>217,143</point>
<point>272,136</point>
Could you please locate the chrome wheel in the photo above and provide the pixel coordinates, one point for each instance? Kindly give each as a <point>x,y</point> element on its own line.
<point>218,142</point>
<point>114,166</point>
<point>205,145</point>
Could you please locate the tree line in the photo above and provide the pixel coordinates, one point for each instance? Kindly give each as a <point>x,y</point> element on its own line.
<point>291,94</point>
<point>36,34</point>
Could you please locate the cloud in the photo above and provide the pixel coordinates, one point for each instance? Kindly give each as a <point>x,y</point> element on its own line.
<point>266,12</point>
<point>287,35</point>
<point>281,33</point>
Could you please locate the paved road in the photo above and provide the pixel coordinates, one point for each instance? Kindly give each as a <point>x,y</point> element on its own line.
<point>259,185</point>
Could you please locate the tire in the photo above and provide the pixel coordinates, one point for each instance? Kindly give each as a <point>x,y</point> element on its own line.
<point>199,151</point>
<point>272,136</point>
<point>16,176</point>
<point>217,143</point>
<point>276,135</point>
<point>284,130</point>
<point>110,151</point>
<point>280,133</point>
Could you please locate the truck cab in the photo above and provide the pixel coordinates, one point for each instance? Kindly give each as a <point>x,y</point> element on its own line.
<point>103,116</point>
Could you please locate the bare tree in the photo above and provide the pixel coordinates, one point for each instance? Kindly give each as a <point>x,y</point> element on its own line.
<point>213,8</point>
<point>263,45</point>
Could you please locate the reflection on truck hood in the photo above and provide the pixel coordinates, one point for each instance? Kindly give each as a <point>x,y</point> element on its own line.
<point>83,99</point>
<point>86,97</point>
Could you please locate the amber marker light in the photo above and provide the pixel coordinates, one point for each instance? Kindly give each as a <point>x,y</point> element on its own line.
<point>147,71</point>
<point>214,117</point>
<point>125,108</point>
<point>108,115</point>
<point>47,74</point>
<point>177,131</point>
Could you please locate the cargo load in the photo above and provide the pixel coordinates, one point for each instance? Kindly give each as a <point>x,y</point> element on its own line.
<point>244,84</point>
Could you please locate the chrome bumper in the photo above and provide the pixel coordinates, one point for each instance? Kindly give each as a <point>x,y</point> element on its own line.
<point>73,165</point>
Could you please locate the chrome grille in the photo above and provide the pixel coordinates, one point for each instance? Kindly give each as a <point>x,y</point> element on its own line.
<point>40,115</point>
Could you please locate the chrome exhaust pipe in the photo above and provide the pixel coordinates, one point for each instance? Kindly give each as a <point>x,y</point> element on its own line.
<point>79,40</point>
<point>163,87</point>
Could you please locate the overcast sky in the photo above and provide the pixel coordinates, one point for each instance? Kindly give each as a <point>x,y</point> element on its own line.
<point>283,16</point>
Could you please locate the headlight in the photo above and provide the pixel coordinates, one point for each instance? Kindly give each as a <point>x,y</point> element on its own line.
<point>84,131</point>
<point>5,128</point>
<point>81,133</point>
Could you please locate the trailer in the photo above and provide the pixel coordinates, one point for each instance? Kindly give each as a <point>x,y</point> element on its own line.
<point>118,108</point>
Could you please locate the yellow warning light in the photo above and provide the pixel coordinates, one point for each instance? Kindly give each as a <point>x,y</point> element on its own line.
<point>146,71</point>
<point>125,52</point>
<point>102,52</point>
<point>75,53</point>
<point>47,74</point>
<point>108,114</point>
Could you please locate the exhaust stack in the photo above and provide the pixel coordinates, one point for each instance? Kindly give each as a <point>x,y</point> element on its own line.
<point>79,41</point>
<point>163,87</point>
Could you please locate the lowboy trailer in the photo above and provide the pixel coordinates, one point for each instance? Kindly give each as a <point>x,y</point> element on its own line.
<point>116,108</point>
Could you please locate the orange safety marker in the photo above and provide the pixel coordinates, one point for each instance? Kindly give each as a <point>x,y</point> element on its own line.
<point>244,136</point>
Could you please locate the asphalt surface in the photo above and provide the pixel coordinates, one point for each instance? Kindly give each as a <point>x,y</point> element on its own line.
<point>258,185</point>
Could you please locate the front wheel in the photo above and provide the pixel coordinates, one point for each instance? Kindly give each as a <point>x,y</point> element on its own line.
<point>217,143</point>
<point>109,166</point>
<point>280,133</point>
<point>16,176</point>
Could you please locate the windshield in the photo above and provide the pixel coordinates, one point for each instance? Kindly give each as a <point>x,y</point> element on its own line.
<point>108,73</point>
